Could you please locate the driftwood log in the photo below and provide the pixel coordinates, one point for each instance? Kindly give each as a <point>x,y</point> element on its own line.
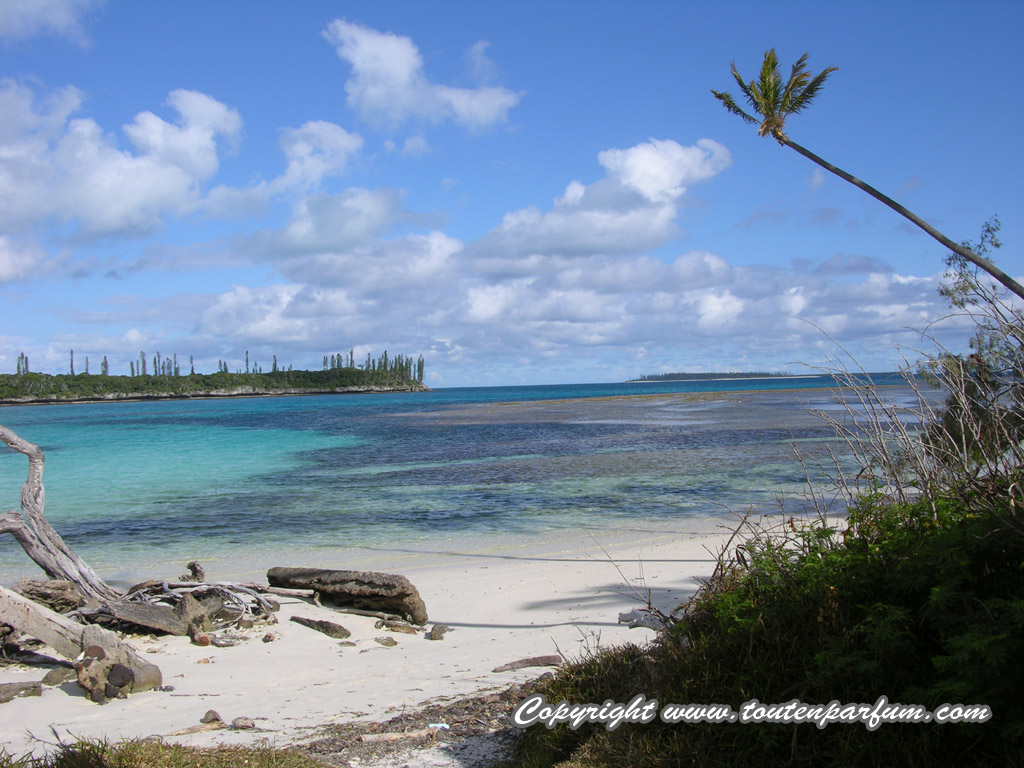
<point>365,590</point>
<point>534,661</point>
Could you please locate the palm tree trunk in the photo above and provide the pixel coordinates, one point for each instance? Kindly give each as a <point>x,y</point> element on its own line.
<point>959,250</point>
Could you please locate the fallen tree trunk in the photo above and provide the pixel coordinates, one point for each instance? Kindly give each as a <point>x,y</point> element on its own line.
<point>71,639</point>
<point>37,537</point>
<point>365,590</point>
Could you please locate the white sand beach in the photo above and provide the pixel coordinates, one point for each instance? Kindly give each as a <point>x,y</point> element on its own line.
<point>503,599</point>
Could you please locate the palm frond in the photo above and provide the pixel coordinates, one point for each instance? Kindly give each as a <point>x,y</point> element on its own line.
<point>747,89</point>
<point>799,70</point>
<point>803,99</point>
<point>730,104</point>
<point>798,77</point>
<point>770,84</point>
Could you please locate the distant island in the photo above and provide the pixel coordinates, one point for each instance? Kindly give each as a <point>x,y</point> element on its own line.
<point>708,376</point>
<point>340,375</point>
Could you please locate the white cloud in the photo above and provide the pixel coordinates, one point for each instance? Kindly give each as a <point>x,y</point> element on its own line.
<point>191,144</point>
<point>717,310</point>
<point>699,268</point>
<point>578,230</point>
<point>574,193</point>
<point>793,301</point>
<point>661,169</point>
<point>22,122</point>
<point>631,211</point>
<point>258,315</point>
<point>55,167</point>
<point>370,295</point>
<point>316,150</point>
<point>419,265</point>
<point>481,67</point>
<point>489,303</point>
<point>388,85</point>
<point>18,260</point>
<point>21,19</point>
<point>322,222</point>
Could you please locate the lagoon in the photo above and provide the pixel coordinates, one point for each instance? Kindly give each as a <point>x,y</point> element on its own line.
<point>141,488</point>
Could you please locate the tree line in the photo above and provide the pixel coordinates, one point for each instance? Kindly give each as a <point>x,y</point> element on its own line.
<point>158,376</point>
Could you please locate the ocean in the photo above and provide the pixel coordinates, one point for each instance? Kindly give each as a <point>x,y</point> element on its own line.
<point>141,488</point>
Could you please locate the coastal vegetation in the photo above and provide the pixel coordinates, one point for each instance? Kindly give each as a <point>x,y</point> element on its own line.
<point>166,380</point>
<point>909,604</point>
<point>920,603</point>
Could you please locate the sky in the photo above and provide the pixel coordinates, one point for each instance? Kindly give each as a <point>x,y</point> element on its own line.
<point>522,192</point>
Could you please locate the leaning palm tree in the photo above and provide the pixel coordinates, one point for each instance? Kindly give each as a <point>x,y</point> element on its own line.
<point>775,100</point>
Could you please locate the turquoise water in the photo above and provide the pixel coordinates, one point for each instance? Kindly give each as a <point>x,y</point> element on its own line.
<point>161,483</point>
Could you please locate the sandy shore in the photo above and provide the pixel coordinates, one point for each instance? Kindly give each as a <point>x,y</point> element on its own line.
<point>504,600</point>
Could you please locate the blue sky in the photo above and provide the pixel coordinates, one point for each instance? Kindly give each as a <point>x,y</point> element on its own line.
<point>522,192</point>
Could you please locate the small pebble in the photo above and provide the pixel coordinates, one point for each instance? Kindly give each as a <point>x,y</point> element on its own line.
<point>437,631</point>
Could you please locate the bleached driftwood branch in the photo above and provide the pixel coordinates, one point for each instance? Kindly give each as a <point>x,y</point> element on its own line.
<point>37,537</point>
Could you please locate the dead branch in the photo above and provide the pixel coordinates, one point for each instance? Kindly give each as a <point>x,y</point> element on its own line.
<point>35,535</point>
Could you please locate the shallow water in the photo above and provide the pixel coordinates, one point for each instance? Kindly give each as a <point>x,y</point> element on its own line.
<point>141,488</point>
